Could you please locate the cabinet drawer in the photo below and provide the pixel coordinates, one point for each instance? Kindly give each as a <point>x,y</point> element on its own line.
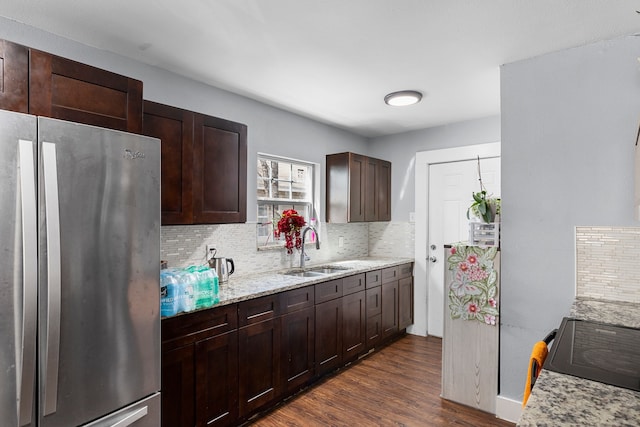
<point>258,309</point>
<point>191,327</point>
<point>389,274</point>
<point>353,284</point>
<point>374,278</point>
<point>297,299</point>
<point>373,301</point>
<point>405,270</point>
<point>328,290</point>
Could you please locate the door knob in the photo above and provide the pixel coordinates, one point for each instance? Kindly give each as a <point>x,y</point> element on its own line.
<point>433,259</point>
<point>433,247</point>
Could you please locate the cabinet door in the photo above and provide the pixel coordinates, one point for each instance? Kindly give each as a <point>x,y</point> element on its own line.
<point>219,171</point>
<point>68,90</point>
<point>328,336</point>
<point>174,127</point>
<point>374,330</point>
<point>405,302</point>
<point>353,326</point>
<point>259,365</point>
<point>371,189</point>
<point>357,187</point>
<point>298,349</point>
<point>178,387</point>
<point>14,77</point>
<point>217,380</point>
<point>389,309</point>
<point>383,191</point>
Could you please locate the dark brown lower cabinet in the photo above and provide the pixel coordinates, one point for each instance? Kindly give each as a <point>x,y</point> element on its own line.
<point>217,397</point>
<point>389,299</point>
<point>328,336</point>
<point>178,387</point>
<point>374,317</point>
<point>223,365</point>
<point>259,365</point>
<point>298,349</point>
<point>200,368</point>
<point>405,302</point>
<point>353,326</point>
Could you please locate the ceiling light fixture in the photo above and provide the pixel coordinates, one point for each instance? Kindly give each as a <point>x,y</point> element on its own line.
<point>403,98</point>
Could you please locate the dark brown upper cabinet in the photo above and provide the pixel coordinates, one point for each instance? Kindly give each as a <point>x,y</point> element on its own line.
<point>14,77</point>
<point>219,171</point>
<point>358,188</point>
<point>204,165</point>
<point>174,127</point>
<point>69,90</point>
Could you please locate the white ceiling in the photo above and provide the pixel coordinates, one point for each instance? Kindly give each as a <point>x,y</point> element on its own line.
<point>334,60</point>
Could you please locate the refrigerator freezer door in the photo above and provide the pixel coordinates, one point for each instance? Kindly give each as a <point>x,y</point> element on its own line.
<point>106,354</point>
<point>145,413</point>
<point>18,267</point>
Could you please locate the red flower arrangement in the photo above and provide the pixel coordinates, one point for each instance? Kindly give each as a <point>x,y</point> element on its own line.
<point>290,224</point>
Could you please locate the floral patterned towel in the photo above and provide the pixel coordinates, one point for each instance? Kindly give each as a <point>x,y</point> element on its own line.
<point>473,293</point>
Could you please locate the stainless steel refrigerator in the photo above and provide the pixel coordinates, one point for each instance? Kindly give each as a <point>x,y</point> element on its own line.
<point>79,271</point>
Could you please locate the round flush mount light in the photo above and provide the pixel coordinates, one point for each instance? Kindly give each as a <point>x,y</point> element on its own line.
<point>403,98</point>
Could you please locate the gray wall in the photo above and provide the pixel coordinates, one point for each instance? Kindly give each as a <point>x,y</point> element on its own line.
<point>270,129</point>
<point>400,150</point>
<point>569,122</point>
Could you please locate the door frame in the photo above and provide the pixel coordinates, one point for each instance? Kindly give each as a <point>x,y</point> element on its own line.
<point>423,160</point>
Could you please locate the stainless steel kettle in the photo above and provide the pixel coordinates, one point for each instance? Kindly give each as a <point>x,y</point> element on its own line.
<point>222,267</point>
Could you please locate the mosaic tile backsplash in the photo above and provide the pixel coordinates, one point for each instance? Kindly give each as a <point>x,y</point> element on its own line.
<point>607,263</point>
<point>185,245</point>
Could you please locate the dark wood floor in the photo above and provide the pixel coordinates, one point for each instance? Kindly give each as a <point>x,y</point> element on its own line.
<point>398,386</point>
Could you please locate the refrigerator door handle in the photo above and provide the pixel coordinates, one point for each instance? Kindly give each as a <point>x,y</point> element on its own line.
<point>27,349</point>
<point>132,418</point>
<point>52,333</point>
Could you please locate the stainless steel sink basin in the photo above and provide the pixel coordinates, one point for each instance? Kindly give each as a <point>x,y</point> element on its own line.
<point>316,271</point>
<point>328,270</point>
<point>304,273</point>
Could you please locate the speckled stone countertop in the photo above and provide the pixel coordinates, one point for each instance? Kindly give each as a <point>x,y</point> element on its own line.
<point>564,400</point>
<point>241,288</point>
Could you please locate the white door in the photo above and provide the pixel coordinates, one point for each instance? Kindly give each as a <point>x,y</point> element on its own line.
<point>450,191</point>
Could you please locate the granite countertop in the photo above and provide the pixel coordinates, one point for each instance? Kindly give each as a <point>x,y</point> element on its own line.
<point>564,400</point>
<point>241,288</point>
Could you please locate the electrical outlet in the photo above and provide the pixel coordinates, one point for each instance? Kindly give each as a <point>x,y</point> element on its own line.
<point>340,241</point>
<point>210,251</point>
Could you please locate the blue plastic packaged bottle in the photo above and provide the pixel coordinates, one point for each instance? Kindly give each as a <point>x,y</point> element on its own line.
<point>169,294</point>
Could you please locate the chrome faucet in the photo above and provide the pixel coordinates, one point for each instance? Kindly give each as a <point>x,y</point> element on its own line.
<point>303,255</point>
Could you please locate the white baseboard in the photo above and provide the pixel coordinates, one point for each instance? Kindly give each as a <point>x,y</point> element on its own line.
<point>508,409</point>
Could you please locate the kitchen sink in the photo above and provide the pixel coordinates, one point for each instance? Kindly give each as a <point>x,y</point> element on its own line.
<point>304,273</point>
<point>328,270</point>
<point>316,271</point>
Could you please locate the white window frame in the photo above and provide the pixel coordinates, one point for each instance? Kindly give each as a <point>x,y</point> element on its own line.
<point>264,231</point>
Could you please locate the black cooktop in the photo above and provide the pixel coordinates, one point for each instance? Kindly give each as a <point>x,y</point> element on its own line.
<point>597,351</point>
